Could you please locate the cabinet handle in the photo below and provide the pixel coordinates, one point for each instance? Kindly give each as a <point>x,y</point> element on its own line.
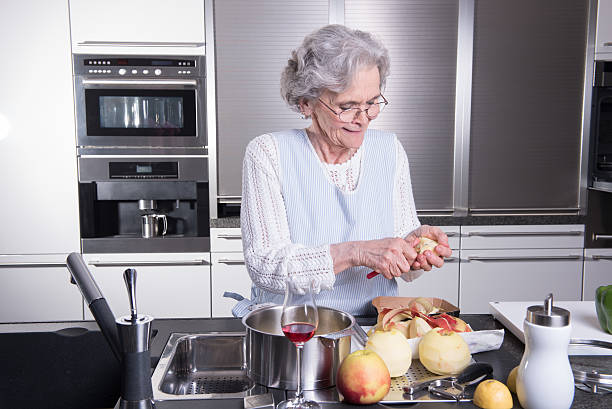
<point>230,261</point>
<point>230,236</point>
<point>524,233</point>
<point>147,263</point>
<point>140,44</point>
<point>602,236</point>
<point>522,258</point>
<point>451,234</point>
<point>31,264</point>
<point>451,260</point>
<point>600,257</point>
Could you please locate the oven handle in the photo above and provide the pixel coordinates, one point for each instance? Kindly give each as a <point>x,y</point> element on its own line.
<point>140,44</point>
<point>140,82</point>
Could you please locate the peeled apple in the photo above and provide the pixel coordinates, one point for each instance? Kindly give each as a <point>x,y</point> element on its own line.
<point>444,352</point>
<point>425,244</point>
<point>394,349</point>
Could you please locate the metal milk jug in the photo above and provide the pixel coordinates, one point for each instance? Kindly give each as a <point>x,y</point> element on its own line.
<point>545,379</point>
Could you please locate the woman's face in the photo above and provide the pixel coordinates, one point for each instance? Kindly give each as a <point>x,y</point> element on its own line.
<point>326,124</point>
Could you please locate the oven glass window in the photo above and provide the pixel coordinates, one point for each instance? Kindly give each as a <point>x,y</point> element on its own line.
<point>140,112</point>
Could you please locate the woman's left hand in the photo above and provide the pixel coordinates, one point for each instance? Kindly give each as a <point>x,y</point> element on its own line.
<point>428,259</point>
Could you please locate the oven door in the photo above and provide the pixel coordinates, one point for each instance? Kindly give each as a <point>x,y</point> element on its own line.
<point>160,115</point>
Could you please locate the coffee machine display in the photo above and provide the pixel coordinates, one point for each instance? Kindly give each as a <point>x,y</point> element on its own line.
<point>133,205</point>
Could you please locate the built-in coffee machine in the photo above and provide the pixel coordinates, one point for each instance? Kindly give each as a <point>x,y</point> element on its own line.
<point>144,204</point>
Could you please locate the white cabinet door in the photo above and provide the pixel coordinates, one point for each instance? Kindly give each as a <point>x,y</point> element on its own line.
<point>225,239</point>
<point>518,275</point>
<point>37,133</point>
<point>138,26</point>
<point>37,289</point>
<point>167,286</point>
<point>603,44</point>
<point>597,271</point>
<point>439,282</point>
<point>228,273</point>
<point>555,236</point>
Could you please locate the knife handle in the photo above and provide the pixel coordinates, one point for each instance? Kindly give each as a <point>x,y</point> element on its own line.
<point>372,274</point>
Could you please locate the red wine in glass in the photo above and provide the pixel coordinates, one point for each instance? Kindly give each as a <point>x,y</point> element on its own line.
<point>299,332</point>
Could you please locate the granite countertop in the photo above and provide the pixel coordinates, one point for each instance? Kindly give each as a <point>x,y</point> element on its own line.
<point>77,367</point>
<point>234,221</point>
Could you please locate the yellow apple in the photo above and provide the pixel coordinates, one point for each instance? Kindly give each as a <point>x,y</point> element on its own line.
<point>363,378</point>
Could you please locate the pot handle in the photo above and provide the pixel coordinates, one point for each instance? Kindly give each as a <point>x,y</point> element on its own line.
<point>360,335</point>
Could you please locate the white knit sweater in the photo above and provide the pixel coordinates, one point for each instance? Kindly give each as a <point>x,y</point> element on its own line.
<point>269,253</point>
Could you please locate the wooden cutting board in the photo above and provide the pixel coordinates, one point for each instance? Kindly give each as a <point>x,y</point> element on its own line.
<point>582,317</point>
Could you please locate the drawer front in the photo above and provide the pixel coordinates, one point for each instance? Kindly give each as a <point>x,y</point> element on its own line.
<point>228,273</point>
<point>439,282</point>
<point>522,237</point>
<point>225,240</point>
<point>518,275</point>
<point>454,236</point>
<point>597,271</point>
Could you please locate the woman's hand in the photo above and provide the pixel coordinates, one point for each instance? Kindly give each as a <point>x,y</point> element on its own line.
<point>428,259</point>
<point>390,257</point>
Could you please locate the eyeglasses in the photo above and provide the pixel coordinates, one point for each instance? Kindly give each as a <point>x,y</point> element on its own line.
<point>348,115</point>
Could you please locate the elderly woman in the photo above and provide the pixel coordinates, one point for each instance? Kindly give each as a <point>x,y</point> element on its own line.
<point>333,202</point>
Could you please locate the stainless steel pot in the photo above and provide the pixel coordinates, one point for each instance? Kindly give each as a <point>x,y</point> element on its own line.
<point>271,357</point>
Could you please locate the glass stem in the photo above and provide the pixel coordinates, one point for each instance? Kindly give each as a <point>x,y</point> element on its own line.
<point>299,395</point>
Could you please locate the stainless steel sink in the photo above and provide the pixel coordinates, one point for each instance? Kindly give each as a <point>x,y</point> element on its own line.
<point>203,366</point>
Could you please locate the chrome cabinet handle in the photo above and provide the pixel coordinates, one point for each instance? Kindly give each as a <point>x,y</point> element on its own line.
<point>602,236</point>
<point>451,259</point>
<point>525,233</point>
<point>140,44</point>
<point>451,234</point>
<point>31,264</point>
<point>230,236</point>
<point>522,258</point>
<point>230,261</point>
<point>147,263</point>
<point>140,82</point>
<point>600,257</point>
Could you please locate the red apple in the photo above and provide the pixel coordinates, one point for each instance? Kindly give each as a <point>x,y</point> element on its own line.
<point>363,378</point>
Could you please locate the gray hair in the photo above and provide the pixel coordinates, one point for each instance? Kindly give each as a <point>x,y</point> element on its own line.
<point>329,58</point>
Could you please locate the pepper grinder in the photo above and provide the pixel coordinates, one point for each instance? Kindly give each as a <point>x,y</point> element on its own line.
<point>545,379</point>
<point>134,335</point>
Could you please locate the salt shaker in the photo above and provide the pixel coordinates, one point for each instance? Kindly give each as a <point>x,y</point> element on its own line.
<point>545,379</point>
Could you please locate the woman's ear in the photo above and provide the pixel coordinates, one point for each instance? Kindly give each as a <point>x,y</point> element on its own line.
<point>306,107</point>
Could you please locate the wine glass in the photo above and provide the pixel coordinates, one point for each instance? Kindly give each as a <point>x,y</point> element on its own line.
<point>299,321</point>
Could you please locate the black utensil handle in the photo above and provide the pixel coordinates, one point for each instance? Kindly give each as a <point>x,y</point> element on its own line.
<point>474,371</point>
<point>106,321</point>
<point>136,376</point>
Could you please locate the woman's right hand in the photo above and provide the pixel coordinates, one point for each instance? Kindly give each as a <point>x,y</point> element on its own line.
<point>390,257</point>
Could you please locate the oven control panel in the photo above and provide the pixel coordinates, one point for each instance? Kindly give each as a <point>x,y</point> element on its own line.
<point>139,66</point>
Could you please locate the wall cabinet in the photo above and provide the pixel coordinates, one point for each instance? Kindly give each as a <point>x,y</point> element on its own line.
<point>138,27</point>
<point>37,289</point>
<point>167,285</point>
<point>603,41</point>
<point>597,271</point>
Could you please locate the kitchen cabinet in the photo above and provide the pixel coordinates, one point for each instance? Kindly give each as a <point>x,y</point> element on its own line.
<point>422,41</point>
<point>253,41</point>
<point>603,41</point>
<point>228,270</point>
<point>39,205</point>
<point>167,285</point>
<point>138,27</point>
<point>37,289</point>
<point>526,105</point>
<point>228,273</point>
<point>439,282</point>
<point>517,263</point>
<point>597,271</point>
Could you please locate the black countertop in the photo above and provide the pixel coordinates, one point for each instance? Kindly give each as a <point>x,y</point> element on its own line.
<point>234,221</point>
<point>69,365</point>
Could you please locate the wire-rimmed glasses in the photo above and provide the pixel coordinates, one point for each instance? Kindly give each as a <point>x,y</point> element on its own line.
<point>349,114</point>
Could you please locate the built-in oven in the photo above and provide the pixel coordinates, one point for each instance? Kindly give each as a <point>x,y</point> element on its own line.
<point>140,104</point>
<point>601,127</point>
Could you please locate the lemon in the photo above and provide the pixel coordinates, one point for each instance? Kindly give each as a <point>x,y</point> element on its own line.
<point>492,394</point>
<point>511,382</point>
